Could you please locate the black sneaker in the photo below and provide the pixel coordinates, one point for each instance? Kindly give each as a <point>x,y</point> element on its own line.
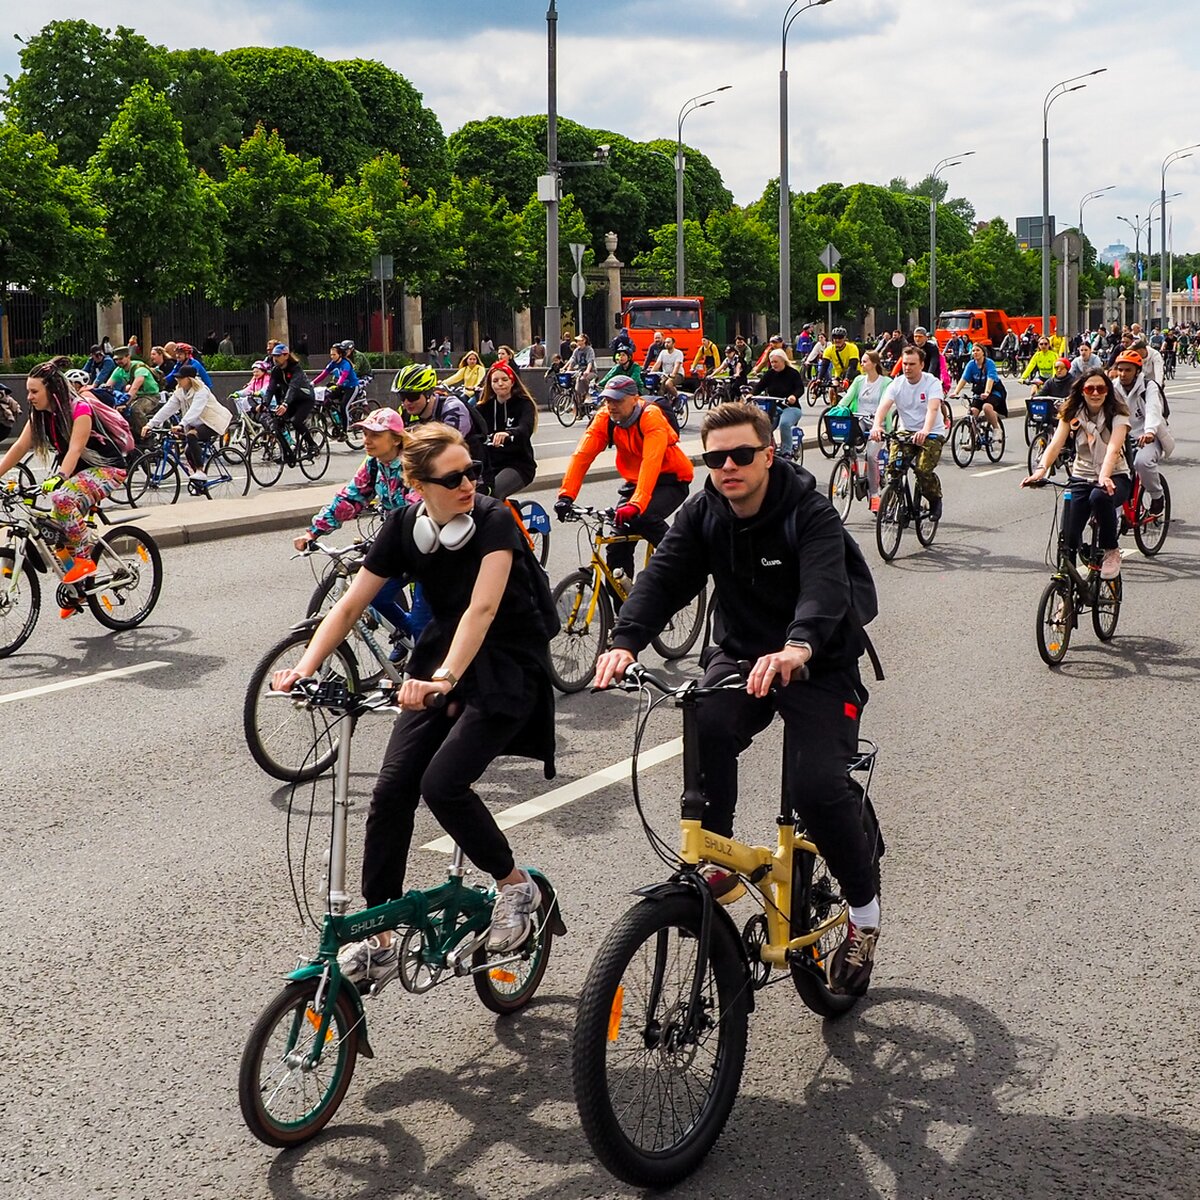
<point>848,968</point>
<point>935,509</point>
<point>1157,505</point>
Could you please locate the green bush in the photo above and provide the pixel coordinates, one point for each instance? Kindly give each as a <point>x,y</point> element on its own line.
<point>229,362</point>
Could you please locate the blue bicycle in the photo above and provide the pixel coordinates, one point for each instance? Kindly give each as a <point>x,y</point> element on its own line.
<point>156,475</point>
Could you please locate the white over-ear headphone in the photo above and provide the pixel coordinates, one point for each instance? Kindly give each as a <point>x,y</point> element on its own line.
<point>454,535</point>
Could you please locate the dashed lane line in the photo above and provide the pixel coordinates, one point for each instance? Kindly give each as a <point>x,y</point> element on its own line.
<point>82,681</point>
<point>998,471</point>
<point>576,790</point>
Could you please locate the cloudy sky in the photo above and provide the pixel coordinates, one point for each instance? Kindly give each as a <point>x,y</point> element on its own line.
<point>878,87</point>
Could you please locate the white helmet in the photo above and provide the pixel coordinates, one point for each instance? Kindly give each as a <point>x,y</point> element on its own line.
<point>78,378</point>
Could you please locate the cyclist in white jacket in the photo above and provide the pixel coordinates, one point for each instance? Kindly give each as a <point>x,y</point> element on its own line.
<point>1148,423</point>
<point>204,416</point>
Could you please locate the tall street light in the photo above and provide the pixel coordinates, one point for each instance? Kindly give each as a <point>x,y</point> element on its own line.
<point>1136,225</point>
<point>553,317</point>
<point>944,165</point>
<point>785,197</point>
<point>1089,197</point>
<point>1161,205</point>
<point>1058,90</point>
<point>1173,157</point>
<point>686,111</point>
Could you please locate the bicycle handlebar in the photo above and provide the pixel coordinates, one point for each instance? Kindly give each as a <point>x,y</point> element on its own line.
<point>333,693</point>
<point>638,677</point>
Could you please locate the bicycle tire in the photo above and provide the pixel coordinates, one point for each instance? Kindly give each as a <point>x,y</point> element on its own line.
<point>962,442</point>
<point>814,894</point>
<point>313,466</point>
<point>288,724</point>
<point>814,392</point>
<point>602,1017</point>
<point>925,526</point>
<point>1054,625</point>
<point>825,443</point>
<point>146,487</point>
<point>580,642</point>
<point>266,459</point>
<point>232,477</point>
<point>1030,427</point>
<point>23,480</point>
<point>888,529</point>
<point>1106,611</point>
<point>679,635</point>
<point>565,408</point>
<point>507,988</point>
<point>997,439</point>
<point>1143,523</point>
<point>138,555</point>
<point>356,410</point>
<point>19,612</point>
<point>841,489</point>
<point>1036,449</point>
<point>682,409</point>
<point>256,1092</point>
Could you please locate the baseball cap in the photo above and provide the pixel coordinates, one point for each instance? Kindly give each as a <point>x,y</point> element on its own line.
<point>120,350</point>
<point>921,329</point>
<point>187,371</point>
<point>620,387</point>
<point>382,420</point>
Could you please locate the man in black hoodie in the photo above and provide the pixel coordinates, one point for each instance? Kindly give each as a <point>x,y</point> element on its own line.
<point>775,549</point>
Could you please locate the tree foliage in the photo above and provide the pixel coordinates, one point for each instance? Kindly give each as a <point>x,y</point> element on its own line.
<point>571,228</point>
<point>207,101</point>
<point>286,229</point>
<point>159,239</point>
<point>74,78</point>
<point>749,252</point>
<point>705,274</point>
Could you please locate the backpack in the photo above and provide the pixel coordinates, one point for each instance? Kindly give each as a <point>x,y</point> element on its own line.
<point>109,423</point>
<point>477,439</point>
<point>663,406</point>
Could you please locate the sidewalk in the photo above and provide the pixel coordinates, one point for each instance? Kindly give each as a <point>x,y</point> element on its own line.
<point>285,507</point>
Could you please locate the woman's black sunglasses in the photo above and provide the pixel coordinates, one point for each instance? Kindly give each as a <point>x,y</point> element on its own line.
<point>455,478</point>
<point>742,456</point>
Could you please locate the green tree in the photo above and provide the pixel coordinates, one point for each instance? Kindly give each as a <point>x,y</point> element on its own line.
<point>159,240</point>
<point>571,228</point>
<point>47,221</point>
<point>286,229</point>
<point>207,100</point>
<point>398,121</point>
<point>74,77</point>
<point>705,273</point>
<point>308,100</point>
<point>749,254</point>
<point>493,259</point>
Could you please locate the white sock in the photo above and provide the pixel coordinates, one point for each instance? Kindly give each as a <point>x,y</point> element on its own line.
<point>866,917</point>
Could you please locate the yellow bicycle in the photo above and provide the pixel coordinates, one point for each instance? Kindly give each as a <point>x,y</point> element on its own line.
<point>588,599</point>
<point>660,1034</point>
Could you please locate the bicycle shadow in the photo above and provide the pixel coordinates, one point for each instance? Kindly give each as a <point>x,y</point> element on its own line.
<point>1130,658</point>
<point>958,556</point>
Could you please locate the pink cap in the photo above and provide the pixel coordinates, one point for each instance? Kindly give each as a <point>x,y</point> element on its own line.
<point>381,421</point>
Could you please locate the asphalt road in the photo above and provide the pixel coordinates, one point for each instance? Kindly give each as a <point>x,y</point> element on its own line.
<point>1031,1031</point>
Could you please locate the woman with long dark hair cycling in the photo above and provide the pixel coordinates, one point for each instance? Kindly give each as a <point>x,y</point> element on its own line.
<point>480,653</point>
<point>510,414</point>
<point>293,395</point>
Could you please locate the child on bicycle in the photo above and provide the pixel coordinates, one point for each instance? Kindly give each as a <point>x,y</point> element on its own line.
<point>1096,419</point>
<point>253,394</point>
<point>88,464</point>
<point>481,653</point>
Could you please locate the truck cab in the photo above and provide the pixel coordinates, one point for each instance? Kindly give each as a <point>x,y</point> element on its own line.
<point>678,317</point>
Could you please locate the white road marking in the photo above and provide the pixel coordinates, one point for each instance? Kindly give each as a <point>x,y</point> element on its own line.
<point>998,471</point>
<point>83,681</point>
<point>576,790</point>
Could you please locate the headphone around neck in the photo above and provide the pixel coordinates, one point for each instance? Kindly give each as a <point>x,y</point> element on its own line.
<point>429,536</point>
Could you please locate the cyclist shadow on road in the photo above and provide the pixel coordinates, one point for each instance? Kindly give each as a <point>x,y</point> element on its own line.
<point>1130,658</point>
<point>932,1096</point>
<point>959,556</point>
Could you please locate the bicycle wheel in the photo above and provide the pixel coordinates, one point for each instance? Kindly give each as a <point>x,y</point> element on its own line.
<point>825,442</point>
<point>962,441</point>
<point>284,1101</point>
<point>509,985</point>
<point>841,489</point>
<point>21,480</point>
<point>291,743</point>
<point>563,403</point>
<point>653,1098</point>
<point>583,613</point>
<point>266,459</point>
<point>314,464</point>
<point>1106,612</point>
<point>331,588</point>
<point>1055,619</point>
<point>356,410</point>
<point>925,525</point>
<point>996,441</point>
<point>537,526</point>
<point>228,475</point>
<point>19,605</point>
<point>888,527</point>
<point>1030,426</point>
<point>681,631</point>
<point>128,579</point>
<point>815,896</point>
<point>814,392</point>
<point>149,482</point>
<point>1036,449</point>
<point>682,408</point>
<point>1150,531</point>
<point>702,396</point>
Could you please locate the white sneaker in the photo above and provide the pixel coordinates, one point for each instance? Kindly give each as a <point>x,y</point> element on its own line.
<point>198,477</point>
<point>1110,565</point>
<point>512,916</point>
<point>369,959</point>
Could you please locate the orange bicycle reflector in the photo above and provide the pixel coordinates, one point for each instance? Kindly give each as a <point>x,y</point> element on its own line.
<point>500,975</point>
<point>314,1019</point>
<point>143,553</point>
<point>614,1013</point>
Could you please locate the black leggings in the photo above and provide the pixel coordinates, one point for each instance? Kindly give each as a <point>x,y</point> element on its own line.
<point>668,495</point>
<point>821,721</point>
<point>438,757</point>
<point>299,408</point>
<point>192,445</point>
<point>509,481</point>
<point>1088,499</point>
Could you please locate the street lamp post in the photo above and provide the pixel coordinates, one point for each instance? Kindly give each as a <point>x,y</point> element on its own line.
<point>1136,226</point>
<point>785,200</point>
<point>1058,90</point>
<point>945,164</point>
<point>1173,157</point>
<point>553,316</point>
<point>686,111</point>
<point>1089,197</point>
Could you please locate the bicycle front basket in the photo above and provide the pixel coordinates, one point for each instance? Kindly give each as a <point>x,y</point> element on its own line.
<point>842,429</point>
<point>564,378</point>
<point>1039,410</point>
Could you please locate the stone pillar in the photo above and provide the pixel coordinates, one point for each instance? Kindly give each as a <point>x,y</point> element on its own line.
<point>110,319</point>
<point>413,319</point>
<point>868,332</point>
<point>522,328</point>
<point>760,328</point>
<point>914,319</point>
<point>277,319</point>
<point>612,265</point>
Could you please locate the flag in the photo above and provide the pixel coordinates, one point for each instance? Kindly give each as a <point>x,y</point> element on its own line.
<point>1116,268</point>
<point>1139,270</point>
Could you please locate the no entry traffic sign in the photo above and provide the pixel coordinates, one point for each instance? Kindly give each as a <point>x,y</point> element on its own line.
<point>829,287</point>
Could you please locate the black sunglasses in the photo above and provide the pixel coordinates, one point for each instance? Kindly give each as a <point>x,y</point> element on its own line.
<point>455,478</point>
<point>742,456</point>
